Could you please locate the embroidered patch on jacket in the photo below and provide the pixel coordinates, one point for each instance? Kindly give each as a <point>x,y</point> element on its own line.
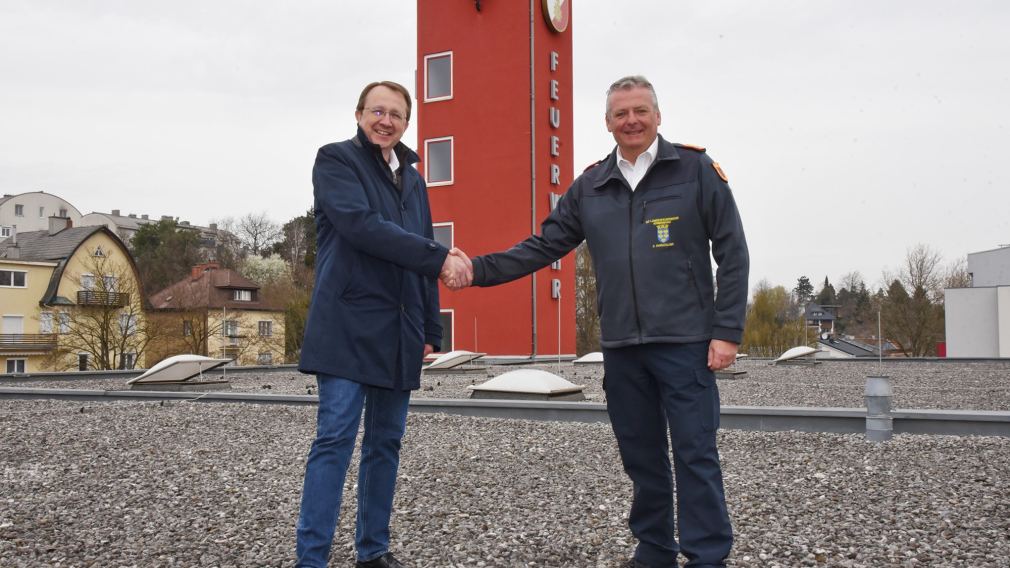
<point>662,225</point>
<point>718,170</point>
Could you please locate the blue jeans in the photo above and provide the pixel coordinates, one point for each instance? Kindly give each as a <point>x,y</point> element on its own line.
<point>340,404</point>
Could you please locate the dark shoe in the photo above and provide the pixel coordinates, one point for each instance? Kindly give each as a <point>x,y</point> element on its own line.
<point>387,560</point>
<point>634,563</point>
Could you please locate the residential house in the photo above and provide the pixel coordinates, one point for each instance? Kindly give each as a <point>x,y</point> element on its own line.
<point>219,313</point>
<point>30,211</point>
<point>69,301</point>
<point>821,317</point>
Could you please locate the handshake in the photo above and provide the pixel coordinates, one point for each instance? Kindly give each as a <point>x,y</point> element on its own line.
<point>457,271</point>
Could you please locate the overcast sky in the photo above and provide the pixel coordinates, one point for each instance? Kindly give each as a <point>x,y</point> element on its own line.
<point>850,131</point>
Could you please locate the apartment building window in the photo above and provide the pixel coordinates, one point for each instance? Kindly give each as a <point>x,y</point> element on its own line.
<point>63,212</point>
<point>12,324</point>
<point>265,358</point>
<point>127,361</point>
<point>438,165</point>
<point>88,281</point>
<point>127,324</point>
<point>443,234</point>
<point>111,282</point>
<point>16,365</point>
<point>446,318</point>
<point>19,210</point>
<point>438,76</point>
<point>42,212</point>
<point>13,279</point>
<point>266,328</point>
<point>241,295</point>
<point>5,232</point>
<point>231,328</point>
<point>64,320</point>
<point>82,361</point>
<point>187,328</point>
<point>46,322</point>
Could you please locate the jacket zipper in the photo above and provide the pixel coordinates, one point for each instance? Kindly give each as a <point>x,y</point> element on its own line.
<point>645,205</point>
<point>631,263</point>
<point>694,282</point>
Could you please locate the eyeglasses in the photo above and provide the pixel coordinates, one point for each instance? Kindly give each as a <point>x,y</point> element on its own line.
<point>379,112</point>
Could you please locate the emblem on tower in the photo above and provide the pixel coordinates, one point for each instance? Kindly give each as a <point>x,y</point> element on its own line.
<point>556,13</point>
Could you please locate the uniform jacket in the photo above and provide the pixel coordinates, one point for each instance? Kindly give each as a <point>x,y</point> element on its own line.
<point>375,302</point>
<point>650,249</point>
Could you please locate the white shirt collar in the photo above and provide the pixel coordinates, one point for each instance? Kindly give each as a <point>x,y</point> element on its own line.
<point>394,162</point>
<point>633,173</point>
<point>649,153</point>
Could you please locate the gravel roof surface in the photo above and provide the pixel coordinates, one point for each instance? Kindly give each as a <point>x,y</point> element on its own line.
<point>930,384</point>
<point>183,484</point>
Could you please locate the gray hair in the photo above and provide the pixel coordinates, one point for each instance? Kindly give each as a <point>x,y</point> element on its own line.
<point>632,82</point>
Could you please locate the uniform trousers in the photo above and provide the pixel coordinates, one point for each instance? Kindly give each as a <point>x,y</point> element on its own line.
<point>652,390</point>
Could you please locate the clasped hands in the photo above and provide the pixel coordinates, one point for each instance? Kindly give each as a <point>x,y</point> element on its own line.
<point>457,270</point>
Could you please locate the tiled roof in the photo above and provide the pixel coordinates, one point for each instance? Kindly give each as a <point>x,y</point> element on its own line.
<point>41,246</point>
<point>210,290</point>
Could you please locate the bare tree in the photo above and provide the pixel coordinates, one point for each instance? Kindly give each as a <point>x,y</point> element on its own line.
<point>257,232</point>
<point>923,269</point>
<point>186,327</point>
<point>957,275</point>
<point>912,310</point>
<point>587,317</point>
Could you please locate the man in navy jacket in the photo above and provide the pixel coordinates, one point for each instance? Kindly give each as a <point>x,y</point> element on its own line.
<point>373,317</point>
<point>652,212</point>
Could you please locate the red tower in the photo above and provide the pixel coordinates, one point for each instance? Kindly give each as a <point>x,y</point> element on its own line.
<point>494,124</point>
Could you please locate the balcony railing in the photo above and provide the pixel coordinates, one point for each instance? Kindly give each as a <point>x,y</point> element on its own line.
<point>27,341</point>
<point>98,298</point>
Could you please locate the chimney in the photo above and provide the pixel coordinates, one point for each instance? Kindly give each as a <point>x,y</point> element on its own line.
<point>115,213</point>
<point>57,224</point>
<point>184,223</point>
<point>133,215</point>
<point>167,218</point>
<point>212,226</point>
<point>144,216</point>
<point>199,269</point>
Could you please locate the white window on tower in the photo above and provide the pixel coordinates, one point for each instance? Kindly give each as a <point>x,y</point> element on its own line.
<point>438,76</point>
<point>438,161</point>
<point>443,234</point>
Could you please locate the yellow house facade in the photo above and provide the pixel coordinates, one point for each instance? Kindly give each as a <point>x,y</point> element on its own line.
<point>70,300</point>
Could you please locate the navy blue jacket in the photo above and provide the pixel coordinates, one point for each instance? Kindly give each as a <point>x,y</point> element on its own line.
<point>375,302</point>
<point>650,249</point>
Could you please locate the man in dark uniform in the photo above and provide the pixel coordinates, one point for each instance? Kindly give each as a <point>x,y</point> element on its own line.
<point>374,316</point>
<point>651,212</point>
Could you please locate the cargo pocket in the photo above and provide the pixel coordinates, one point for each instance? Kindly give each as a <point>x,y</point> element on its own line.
<point>708,399</point>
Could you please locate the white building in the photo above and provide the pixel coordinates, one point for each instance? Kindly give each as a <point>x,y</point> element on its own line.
<point>978,318</point>
<point>30,211</point>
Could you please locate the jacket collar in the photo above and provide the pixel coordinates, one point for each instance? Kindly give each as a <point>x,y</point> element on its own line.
<point>609,170</point>
<point>406,156</point>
